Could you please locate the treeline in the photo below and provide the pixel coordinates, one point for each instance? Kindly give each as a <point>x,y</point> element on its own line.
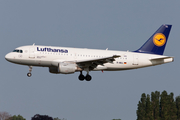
<point>44,117</point>
<point>158,107</point>
<point>7,116</point>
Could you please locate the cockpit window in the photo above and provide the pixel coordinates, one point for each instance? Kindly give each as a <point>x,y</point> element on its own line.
<point>18,51</point>
<point>14,50</point>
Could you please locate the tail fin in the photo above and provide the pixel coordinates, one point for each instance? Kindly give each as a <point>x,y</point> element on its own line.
<point>157,42</point>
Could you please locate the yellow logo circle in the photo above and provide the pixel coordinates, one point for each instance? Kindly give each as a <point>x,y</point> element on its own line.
<point>159,39</point>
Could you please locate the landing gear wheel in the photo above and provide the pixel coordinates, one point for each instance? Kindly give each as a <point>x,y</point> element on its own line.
<point>29,74</point>
<point>81,77</point>
<point>88,78</point>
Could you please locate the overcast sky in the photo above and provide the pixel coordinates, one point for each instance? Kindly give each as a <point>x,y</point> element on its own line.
<point>100,24</point>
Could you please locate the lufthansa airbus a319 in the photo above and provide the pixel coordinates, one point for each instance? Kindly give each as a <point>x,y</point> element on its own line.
<point>66,60</point>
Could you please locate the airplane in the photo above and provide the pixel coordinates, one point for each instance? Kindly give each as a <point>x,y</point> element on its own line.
<point>66,60</point>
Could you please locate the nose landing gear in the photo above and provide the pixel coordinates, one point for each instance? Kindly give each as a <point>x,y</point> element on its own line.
<point>29,73</point>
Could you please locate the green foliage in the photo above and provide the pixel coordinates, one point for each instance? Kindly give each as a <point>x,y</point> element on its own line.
<point>164,106</point>
<point>155,104</point>
<point>41,117</point>
<point>178,107</point>
<point>148,114</point>
<point>158,107</point>
<point>167,106</point>
<point>57,118</point>
<point>19,117</point>
<point>172,107</point>
<point>141,112</point>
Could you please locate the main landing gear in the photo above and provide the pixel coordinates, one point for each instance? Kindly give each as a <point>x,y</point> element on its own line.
<point>82,77</point>
<point>29,73</point>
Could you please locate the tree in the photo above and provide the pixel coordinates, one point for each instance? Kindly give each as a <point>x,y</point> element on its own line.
<point>172,110</point>
<point>178,107</point>
<point>41,117</point>
<point>167,107</point>
<point>141,112</point>
<point>57,118</point>
<point>148,109</point>
<point>19,117</point>
<point>158,107</point>
<point>155,104</point>
<point>4,115</point>
<point>164,106</point>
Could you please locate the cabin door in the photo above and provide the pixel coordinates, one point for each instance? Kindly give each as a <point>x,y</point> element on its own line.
<point>31,52</point>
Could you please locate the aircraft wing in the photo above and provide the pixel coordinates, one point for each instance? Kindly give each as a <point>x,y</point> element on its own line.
<point>93,63</point>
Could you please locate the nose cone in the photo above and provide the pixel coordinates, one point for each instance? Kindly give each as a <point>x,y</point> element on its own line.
<point>8,57</point>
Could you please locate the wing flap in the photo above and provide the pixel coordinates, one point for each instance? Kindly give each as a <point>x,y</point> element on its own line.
<point>100,61</point>
<point>93,63</point>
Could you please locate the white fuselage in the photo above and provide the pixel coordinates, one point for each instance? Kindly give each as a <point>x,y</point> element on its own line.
<point>48,56</point>
<point>67,60</point>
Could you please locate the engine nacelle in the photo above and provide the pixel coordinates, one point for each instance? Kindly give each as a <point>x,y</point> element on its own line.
<point>64,68</point>
<point>53,70</point>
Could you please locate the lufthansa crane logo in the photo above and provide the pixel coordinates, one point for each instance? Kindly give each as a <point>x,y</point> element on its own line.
<point>159,39</point>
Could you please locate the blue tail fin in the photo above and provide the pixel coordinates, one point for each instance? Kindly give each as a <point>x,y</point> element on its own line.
<point>157,42</point>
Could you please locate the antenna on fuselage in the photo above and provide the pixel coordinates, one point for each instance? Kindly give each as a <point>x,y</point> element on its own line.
<point>33,44</point>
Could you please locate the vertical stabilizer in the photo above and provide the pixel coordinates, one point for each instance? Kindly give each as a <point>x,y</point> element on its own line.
<point>157,42</point>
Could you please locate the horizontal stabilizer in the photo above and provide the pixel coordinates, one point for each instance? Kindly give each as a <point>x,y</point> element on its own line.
<point>161,58</point>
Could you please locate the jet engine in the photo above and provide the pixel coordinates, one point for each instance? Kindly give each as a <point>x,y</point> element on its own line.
<point>64,68</point>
